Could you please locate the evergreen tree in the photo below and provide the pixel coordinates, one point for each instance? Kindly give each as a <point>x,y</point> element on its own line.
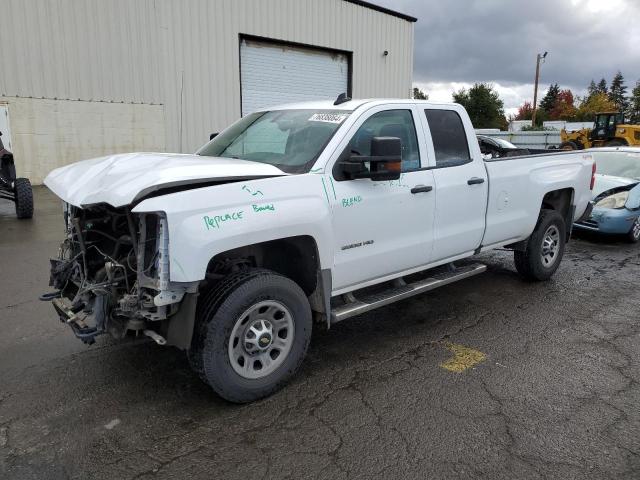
<point>602,86</point>
<point>551,97</point>
<point>634,105</point>
<point>618,92</point>
<point>419,94</point>
<point>592,89</point>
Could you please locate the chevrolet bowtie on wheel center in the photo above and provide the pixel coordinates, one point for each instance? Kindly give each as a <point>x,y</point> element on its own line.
<point>294,217</point>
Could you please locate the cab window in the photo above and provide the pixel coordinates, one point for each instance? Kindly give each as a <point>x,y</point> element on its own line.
<point>389,123</point>
<point>449,138</point>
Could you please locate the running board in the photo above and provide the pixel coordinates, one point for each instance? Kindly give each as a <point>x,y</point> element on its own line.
<point>372,301</point>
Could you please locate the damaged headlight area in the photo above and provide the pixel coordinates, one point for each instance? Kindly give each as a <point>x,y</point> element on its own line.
<point>112,273</point>
<point>616,200</point>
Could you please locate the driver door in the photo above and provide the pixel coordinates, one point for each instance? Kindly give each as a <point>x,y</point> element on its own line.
<point>381,228</point>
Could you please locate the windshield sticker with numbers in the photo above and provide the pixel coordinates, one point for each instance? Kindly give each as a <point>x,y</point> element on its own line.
<point>328,117</point>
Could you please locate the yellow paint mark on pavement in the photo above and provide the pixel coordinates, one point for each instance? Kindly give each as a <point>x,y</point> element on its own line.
<point>463,358</point>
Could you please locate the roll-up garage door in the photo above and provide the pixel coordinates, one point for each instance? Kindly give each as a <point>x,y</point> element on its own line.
<point>273,74</point>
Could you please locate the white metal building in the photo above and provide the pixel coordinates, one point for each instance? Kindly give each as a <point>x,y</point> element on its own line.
<point>84,78</point>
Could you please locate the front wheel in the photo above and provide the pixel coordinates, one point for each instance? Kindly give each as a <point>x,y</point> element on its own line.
<point>251,335</point>
<point>634,233</point>
<point>545,248</point>
<point>23,195</point>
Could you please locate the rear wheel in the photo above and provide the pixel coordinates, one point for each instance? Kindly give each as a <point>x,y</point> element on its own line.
<point>545,248</point>
<point>634,233</point>
<point>23,197</point>
<point>251,335</point>
<point>570,145</point>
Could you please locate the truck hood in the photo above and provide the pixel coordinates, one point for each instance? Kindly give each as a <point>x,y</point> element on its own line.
<point>123,179</point>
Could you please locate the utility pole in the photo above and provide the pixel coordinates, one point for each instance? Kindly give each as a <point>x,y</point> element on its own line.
<point>535,88</point>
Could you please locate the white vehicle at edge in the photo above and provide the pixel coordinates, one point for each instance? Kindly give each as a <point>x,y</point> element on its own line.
<point>285,218</point>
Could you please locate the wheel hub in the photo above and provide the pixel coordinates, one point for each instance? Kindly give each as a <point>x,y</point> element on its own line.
<point>258,336</point>
<point>550,246</point>
<point>261,339</point>
<point>264,341</point>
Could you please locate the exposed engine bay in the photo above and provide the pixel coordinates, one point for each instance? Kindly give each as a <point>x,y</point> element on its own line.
<point>112,274</point>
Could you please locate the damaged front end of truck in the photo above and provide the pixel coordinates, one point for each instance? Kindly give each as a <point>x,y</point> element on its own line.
<point>111,275</point>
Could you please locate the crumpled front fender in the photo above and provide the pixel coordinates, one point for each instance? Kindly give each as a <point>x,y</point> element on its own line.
<point>633,202</point>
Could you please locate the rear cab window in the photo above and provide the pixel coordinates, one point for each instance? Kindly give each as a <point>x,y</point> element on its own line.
<point>449,137</point>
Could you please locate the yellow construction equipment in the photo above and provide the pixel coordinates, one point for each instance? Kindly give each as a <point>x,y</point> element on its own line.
<point>609,131</point>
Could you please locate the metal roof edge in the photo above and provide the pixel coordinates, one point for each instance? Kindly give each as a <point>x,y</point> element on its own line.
<point>378,8</point>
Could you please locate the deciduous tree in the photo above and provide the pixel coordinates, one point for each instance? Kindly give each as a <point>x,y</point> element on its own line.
<point>597,103</point>
<point>525,111</point>
<point>484,106</point>
<point>563,109</point>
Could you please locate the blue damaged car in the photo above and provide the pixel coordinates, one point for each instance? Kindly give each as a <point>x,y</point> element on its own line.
<point>616,193</point>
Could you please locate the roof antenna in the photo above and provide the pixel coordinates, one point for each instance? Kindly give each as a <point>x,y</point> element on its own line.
<point>342,98</point>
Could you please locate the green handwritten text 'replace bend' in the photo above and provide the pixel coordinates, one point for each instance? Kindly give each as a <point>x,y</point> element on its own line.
<point>264,208</point>
<point>217,220</point>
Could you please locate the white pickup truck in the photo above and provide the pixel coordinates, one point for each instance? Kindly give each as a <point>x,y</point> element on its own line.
<point>308,212</point>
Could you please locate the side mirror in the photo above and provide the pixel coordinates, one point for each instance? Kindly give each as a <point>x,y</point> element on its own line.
<point>385,161</point>
<point>213,135</point>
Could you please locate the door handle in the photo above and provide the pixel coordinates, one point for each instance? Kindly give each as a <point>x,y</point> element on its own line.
<point>421,189</point>
<point>475,181</point>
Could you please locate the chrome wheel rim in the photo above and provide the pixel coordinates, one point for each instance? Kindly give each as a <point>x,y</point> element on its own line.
<point>635,229</point>
<point>550,246</point>
<point>261,339</point>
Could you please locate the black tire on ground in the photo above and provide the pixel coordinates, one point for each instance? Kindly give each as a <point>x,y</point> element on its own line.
<point>530,263</point>
<point>634,234</point>
<point>616,142</point>
<point>211,299</point>
<point>23,197</point>
<point>217,314</point>
<point>570,145</point>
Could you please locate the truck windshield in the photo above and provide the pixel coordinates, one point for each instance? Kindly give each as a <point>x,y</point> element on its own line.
<point>291,140</point>
<point>618,164</point>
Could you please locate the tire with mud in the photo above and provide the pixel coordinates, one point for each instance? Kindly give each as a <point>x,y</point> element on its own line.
<point>251,335</point>
<point>544,249</point>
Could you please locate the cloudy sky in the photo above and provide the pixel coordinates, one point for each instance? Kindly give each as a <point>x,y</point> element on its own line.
<point>459,42</point>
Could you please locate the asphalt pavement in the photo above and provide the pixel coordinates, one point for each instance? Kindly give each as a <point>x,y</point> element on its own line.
<point>489,378</point>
